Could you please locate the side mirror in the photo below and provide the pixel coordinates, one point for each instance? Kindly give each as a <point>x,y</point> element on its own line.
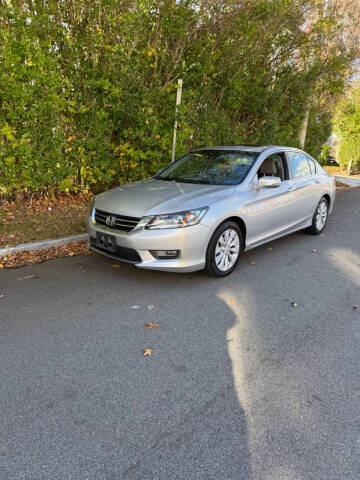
<point>269,182</point>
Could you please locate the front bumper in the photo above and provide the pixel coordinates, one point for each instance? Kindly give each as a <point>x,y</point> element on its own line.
<point>190,241</point>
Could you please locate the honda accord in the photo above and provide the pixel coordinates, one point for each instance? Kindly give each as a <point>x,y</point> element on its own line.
<point>205,209</point>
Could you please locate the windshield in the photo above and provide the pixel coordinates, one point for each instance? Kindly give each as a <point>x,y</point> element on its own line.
<point>211,167</point>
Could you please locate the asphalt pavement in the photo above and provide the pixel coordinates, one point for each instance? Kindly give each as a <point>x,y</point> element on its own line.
<point>255,376</point>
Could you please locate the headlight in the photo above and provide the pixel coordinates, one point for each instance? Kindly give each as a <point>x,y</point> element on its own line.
<point>176,220</point>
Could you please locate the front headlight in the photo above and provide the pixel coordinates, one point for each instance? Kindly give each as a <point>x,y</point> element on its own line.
<point>176,220</point>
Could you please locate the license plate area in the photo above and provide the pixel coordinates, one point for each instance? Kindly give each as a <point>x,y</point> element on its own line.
<point>106,242</point>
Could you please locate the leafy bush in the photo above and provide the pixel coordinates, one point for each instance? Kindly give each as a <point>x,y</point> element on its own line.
<point>87,90</point>
<point>325,152</point>
<point>347,127</point>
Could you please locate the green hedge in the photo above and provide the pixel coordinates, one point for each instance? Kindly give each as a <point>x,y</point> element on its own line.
<point>347,127</point>
<point>87,89</point>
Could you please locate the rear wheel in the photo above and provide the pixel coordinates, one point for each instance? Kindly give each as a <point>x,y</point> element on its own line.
<point>320,218</point>
<point>224,249</point>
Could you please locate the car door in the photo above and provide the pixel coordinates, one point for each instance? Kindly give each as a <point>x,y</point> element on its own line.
<point>271,212</point>
<point>304,184</point>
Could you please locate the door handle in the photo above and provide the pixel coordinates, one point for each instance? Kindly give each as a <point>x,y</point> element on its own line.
<point>290,189</point>
<point>317,181</point>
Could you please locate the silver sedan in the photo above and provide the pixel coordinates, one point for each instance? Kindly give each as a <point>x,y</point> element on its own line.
<point>213,203</point>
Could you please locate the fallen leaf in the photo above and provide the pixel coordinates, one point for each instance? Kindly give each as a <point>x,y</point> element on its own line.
<point>34,275</point>
<point>315,250</point>
<point>232,301</point>
<point>269,248</point>
<point>355,307</point>
<point>151,325</point>
<point>294,304</point>
<point>1,296</point>
<point>1,266</point>
<point>36,256</point>
<point>147,352</point>
<point>252,263</point>
<point>115,266</point>
<point>150,307</point>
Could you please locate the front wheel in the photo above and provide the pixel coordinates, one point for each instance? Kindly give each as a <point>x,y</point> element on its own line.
<point>320,218</point>
<point>224,250</point>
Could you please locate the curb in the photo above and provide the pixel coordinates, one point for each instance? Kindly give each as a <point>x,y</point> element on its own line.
<point>25,247</point>
<point>350,181</point>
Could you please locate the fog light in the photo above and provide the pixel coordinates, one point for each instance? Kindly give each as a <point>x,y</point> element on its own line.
<point>165,254</point>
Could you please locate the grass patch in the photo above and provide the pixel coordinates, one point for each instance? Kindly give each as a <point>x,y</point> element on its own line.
<point>42,219</point>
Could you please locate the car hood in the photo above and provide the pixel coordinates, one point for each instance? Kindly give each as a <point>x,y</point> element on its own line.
<point>153,197</point>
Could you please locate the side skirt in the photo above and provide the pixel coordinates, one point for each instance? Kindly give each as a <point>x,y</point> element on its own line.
<point>289,231</point>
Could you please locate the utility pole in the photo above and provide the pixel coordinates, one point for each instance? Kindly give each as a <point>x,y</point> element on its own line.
<point>178,101</point>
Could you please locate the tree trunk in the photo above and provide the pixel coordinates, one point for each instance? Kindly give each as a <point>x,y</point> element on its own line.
<point>304,126</point>
<point>349,167</point>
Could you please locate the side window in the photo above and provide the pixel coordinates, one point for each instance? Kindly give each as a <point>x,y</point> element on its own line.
<point>274,166</point>
<point>312,166</point>
<point>299,164</point>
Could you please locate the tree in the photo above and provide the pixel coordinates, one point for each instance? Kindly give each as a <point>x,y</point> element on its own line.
<point>347,128</point>
<point>87,89</point>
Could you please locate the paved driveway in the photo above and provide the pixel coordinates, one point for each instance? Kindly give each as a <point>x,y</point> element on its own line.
<point>240,384</point>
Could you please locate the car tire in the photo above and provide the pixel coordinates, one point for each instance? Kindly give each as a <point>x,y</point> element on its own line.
<point>224,250</point>
<point>319,218</point>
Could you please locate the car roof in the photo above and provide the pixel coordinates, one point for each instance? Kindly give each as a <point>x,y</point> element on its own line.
<point>248,148</point>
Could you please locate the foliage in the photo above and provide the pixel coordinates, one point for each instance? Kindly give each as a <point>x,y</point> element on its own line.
<point>325,152</point>
<point>87,89</point>
<point>347,128</point>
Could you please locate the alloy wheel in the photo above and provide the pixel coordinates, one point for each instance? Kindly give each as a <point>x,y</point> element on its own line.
<point>321,215</point>
<point>227,250</point>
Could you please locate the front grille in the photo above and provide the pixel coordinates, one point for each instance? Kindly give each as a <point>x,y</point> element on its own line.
<point>121,222</point>
<point>121,253</point>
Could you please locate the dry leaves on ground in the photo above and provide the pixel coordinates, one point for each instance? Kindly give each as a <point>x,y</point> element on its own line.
<point>43,218</point>
<point>151,325</point>
<point>32,257</point>
<point>147,352</point>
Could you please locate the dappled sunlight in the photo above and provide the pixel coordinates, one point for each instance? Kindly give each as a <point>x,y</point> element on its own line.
<point>347,261</point>
<point>257,389</point>
<point>235,341</point>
